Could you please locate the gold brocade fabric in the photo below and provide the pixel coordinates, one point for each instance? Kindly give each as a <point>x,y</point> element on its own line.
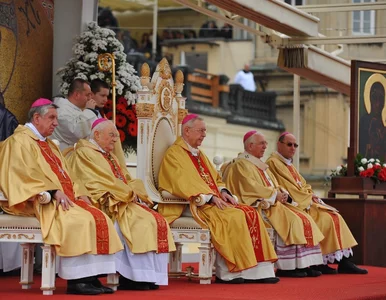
<point>229,231</point>
<point>24,173</point>
<point>247,183</point>
<point>116,198</point>
<point>302,194</point>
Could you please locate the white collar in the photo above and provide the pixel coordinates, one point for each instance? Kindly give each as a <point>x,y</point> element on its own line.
<point>35,131</point>
<point>92,141</point>
<point>253,159</point>
<point>194,151</point>
<point>286,160</point>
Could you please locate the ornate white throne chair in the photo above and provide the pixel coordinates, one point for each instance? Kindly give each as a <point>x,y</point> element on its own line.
<point>26,230</point>
<point>160,110</point>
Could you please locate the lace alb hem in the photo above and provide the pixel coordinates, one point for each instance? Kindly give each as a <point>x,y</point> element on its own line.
<point>337,255</point>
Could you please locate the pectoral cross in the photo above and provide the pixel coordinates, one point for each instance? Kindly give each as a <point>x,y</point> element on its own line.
<point>205,177</point>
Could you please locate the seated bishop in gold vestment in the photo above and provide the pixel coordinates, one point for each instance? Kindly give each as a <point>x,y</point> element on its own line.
<point>146,235</point>
<point>297,240</point>
<point>244,251</point>
<point>338,240</point>
<point>82,235</point>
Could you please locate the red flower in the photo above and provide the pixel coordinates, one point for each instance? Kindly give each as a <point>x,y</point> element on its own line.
<point>122,100</point>
<point>377,167</point>
<point>120,121</point>
<point>133,129</point>
<point>134,109</point>
<point>122,135</point>
<point>367,173</point>
<point>130,115</point>
<point>382,175</point>
<point>121,108</point>
<point>109,115</point>
<point>109,105</point>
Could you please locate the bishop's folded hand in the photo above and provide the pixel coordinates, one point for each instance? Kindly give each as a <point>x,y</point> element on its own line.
<point>221,204</point>
<point>228,198</point>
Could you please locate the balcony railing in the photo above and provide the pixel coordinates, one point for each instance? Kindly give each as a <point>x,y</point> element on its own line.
<point>210,94</point>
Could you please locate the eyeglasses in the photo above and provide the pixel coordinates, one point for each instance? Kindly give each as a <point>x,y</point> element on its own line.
<point>202,131</point>
<point>291,144</point>
<point>114,135</point>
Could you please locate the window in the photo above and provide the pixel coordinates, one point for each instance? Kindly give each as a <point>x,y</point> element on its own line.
<point>363,22</point>
<point>294,2</point>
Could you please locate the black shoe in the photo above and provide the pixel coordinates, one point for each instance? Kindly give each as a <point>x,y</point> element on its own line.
<point>153,286</point>
<point>127,284</point>
<point>347,267</point>
<point>105,289</point>
<point>270,280</point>
<point>233,281</point>
<point>310,272</point>
<point>83,289</point>
<point>290,273</point>
<point>325,269</point>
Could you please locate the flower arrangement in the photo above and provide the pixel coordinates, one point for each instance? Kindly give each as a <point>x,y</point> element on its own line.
<point>371,168</point>
<point>93,41</point>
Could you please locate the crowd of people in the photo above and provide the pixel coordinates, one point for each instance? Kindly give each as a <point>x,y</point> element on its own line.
<point>101,221</point>
<point>208,30</point>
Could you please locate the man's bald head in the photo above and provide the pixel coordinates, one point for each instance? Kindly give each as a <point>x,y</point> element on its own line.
<point>287,145</point>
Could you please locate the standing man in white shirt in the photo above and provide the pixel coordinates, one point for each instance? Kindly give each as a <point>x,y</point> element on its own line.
<point>245,79</point>
<point>73,117</point>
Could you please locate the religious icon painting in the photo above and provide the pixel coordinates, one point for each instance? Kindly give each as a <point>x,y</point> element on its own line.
<point>368,110</point>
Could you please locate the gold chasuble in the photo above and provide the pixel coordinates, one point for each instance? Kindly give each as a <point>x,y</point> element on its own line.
<point>237,233</point>
<point>251,180</point>
<point>30,166</point>
<point>337,234</point>
<point>114,192</point>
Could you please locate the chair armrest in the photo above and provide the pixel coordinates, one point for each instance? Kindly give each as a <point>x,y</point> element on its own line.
<point>170,198</point>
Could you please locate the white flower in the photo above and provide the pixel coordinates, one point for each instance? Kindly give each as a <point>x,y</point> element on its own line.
<point>363,160</point>
<point>377,164</point>
<point>338,169</point>
<point>371,160</point>
<point>377,160</point>
<point>361,169</point>
<point>369,166</point>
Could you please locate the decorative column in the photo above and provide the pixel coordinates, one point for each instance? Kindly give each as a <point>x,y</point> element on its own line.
<point>145,110</point>
<point>179,87</point>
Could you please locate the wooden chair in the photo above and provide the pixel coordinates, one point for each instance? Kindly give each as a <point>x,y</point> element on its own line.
<point>160,110</point>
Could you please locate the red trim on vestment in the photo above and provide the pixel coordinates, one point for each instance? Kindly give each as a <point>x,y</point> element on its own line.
<point>162,230</point>
<point>115,168</point>
<point>294,174</point>
<point>335,219</point>
<point>102,230</point>
<point>307,228</point>
<point>252,218</point>
<point>204,173</point>
<point>264,177</point>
